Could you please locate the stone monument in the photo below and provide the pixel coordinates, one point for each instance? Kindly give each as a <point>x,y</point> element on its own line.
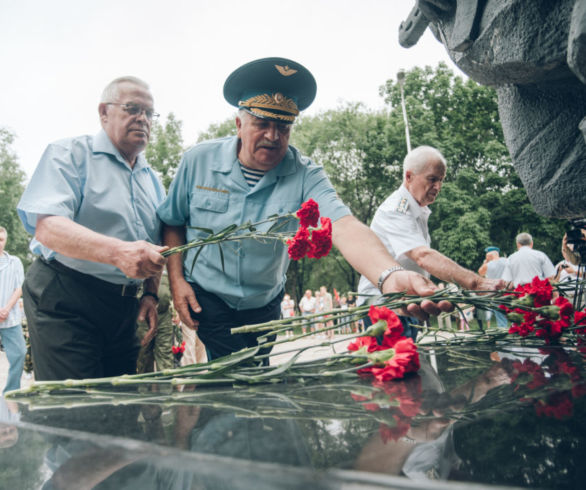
<point>534,53</point>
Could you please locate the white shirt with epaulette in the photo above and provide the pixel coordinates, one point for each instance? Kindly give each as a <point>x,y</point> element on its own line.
<point>401,224</point>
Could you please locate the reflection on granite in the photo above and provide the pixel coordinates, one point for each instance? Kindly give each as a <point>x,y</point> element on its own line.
<point>494,414</point>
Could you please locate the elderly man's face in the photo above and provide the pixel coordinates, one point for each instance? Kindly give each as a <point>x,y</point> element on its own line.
<point>426,185</point>
<point>129,133</point>
<point>263,143</point>
<point>3,239</point>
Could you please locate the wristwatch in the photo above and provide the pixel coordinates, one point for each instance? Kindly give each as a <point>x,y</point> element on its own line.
<point>385,275</point>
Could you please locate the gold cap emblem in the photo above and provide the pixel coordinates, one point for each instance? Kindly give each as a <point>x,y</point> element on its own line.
<point>285,70</point>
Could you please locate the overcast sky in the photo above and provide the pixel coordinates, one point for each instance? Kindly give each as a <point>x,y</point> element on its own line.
<point>56,56</point>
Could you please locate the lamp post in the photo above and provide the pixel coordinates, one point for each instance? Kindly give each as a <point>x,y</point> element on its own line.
<point>401,80</point>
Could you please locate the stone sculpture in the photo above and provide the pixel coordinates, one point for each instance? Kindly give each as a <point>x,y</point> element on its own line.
<point>534,53</point>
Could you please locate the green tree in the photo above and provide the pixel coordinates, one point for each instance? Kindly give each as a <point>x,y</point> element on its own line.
<point>12,180</point>
<point>218,130</point>
<point>165,148</point>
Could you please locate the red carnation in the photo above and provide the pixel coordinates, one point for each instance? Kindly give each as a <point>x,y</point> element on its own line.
<point>321,240</point>
<point>394,328</point>
<point>368,342</point>
<point>299,245</point>
<point>404,360</point>
<point>308,214</point>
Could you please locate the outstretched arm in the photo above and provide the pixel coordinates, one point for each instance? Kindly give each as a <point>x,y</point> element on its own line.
<point>368,256</point>
<point>447,270</point>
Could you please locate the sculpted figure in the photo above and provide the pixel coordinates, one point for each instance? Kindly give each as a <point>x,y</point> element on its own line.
<point>534,53</point>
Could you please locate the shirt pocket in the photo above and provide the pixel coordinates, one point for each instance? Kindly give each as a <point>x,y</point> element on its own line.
<point>208,210</point>
<point>208,201</point>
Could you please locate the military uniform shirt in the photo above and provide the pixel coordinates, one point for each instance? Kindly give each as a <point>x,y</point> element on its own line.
<point>86,180</point>
<point>210,191</point>
<point>401,224</point>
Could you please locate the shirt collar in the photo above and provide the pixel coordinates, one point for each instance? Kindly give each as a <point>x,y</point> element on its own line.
<point>103,144</point>
<point>418,210</point>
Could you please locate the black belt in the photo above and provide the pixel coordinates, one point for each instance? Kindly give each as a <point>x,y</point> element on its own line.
<point>127,290</point>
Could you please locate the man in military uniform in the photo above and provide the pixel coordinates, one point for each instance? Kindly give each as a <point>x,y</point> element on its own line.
<point>156,344</point>
<point>401,223</point>
<point>249,177</point>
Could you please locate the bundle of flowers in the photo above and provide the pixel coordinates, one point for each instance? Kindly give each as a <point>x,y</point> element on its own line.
<point>309,240</point>
<point>390,354</point>
<point>535,310</point>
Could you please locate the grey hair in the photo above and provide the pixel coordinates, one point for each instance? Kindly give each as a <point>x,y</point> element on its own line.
<point>418,158</point>
<point>3,230</point>
<point>524,239</point>
<point>112,91</point>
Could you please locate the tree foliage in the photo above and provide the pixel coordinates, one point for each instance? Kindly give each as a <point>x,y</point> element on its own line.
<point>218,130</point>
<point>165,148</point>
<point>12,179</point>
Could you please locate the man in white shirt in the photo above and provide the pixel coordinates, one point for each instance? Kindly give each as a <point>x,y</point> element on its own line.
<point>307,305</point>
<point>11,278</point>
<point>401,224</point>
<point>527,263</point>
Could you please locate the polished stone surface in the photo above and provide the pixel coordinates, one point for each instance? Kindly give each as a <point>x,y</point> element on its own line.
<point>494,415</point>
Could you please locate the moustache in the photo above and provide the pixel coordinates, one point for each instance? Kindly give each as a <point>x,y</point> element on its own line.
<point>268,144</point>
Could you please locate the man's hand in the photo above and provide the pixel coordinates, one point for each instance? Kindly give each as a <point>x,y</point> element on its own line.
<point>183,299</point>
<point>140,259</point>
<point>484,284</point>
<point>148,312</point>
<point>416,284</point>
<point>4,312</point>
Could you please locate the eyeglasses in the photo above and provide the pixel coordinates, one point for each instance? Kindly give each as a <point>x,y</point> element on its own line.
<point>136,109</point>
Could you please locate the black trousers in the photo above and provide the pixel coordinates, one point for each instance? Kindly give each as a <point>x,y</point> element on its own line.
<point>78,327</point>
<point>217,318</point>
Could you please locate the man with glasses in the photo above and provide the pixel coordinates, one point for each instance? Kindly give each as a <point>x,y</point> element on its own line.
<point>91,207</point>
<point>249,177</point>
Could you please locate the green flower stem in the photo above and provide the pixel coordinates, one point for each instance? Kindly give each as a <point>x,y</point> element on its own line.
<point>233,233</point>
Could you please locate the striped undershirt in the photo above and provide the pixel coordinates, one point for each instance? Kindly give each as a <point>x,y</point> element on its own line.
<point>251,175</point>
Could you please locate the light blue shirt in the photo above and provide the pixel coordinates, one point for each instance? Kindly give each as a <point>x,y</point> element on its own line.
<point>209,191</point>
<point>86,180</point>
<point>11,278</point>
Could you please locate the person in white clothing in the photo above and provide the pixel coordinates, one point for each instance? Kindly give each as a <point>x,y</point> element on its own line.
<point>401,224</point>
<point>11,279</point>
<point>307,306</point>
<point>527,263</point>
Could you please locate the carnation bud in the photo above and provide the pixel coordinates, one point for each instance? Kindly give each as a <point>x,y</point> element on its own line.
<point>379,357</point>
<point>526,300</point>
<point>376,330</point>
<point>552,312</point>
<point>515,317</point>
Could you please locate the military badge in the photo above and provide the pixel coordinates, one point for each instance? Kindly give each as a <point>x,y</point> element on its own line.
<point>403,206</point>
